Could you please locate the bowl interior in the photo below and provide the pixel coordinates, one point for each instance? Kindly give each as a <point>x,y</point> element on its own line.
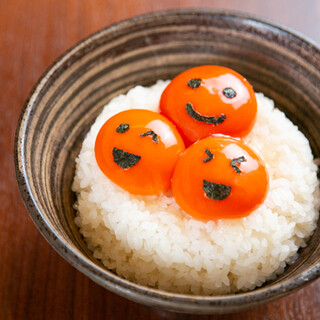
<point>74,90</point>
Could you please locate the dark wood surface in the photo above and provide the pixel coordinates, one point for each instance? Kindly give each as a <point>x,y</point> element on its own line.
<point>35,282</point>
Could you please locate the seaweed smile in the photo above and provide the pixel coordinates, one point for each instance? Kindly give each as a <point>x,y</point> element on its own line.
<point>198,117</point>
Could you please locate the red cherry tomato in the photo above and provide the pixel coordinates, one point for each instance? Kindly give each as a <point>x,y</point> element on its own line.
<point>207,100</point>
<point>138,149</point>
<point>219,178</point>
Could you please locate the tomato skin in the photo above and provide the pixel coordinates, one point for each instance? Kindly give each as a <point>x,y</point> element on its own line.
<point>152,174</point>
<point>248,188</point>
<point>208,100</point>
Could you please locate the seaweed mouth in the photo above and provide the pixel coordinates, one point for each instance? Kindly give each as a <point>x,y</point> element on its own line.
<point>124,159</point>
<point>216,191</point>
<point>204,119</point>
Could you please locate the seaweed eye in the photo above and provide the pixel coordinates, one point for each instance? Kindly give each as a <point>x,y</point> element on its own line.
<point>229,93</point>
<point>122,128</point>
<point>209,154</point>
<point>152,134</point>
<point>235,163</point>
<point>230,183</point>
<point>194,83</point>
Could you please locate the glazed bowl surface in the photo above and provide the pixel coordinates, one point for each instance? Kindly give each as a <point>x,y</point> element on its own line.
<point>70,95</point>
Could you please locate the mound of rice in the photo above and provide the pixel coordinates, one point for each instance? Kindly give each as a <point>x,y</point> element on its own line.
<point>149,240</point>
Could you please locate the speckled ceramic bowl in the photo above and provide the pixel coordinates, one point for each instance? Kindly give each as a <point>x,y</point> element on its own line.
<point>67,99</point>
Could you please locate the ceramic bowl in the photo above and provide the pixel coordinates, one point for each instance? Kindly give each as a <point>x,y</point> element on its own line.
<point>66,100</point>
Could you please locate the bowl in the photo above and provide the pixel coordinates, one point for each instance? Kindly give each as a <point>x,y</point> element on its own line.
<point>69,96</point>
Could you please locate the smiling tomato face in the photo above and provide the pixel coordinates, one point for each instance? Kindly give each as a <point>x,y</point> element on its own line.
<point>219,178</point>
<point>207,100</point>
<point>137,150</point>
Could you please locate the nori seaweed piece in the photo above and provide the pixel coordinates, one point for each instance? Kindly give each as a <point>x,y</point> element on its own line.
<point>236,161</point>
<point>216,191</point>
<point>229,93</point>
<point>198,117</point>
<point>124,159</point>
<point>122,128</point>
<point>209,154</point>
<point>150,133</point>
<point>194,83</point>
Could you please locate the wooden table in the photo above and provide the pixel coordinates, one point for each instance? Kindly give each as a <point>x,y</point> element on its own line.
<point>35,282</point>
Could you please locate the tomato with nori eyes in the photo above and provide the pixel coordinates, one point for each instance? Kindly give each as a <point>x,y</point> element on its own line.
<point>219,178</point>
<point>207,100</point>
<point>138,149</point>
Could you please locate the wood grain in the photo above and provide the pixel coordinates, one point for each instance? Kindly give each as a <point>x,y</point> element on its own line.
<point>35,282</point>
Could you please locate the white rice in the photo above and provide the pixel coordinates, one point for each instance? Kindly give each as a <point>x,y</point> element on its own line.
<point>148,240</point>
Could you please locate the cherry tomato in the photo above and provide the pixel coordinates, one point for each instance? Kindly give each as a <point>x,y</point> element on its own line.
<point>138,149</point>
<point>219,178</point>
<point>209,99</point>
